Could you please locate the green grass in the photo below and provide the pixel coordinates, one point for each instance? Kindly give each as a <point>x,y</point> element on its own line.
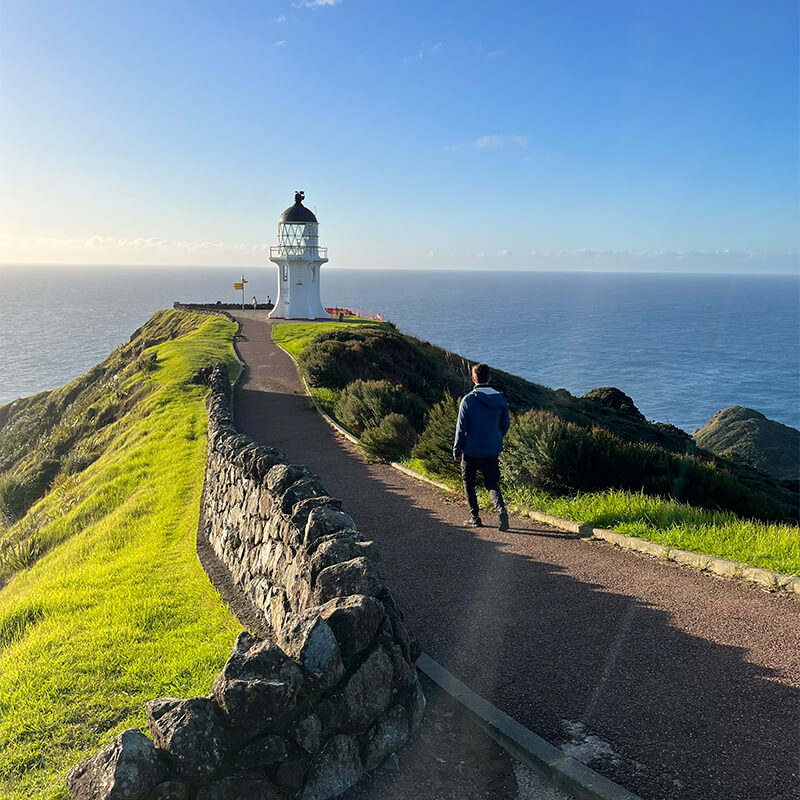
<point>665,521</point>
<point>294,336</point>
<point>118,610</point>
<point>715,533</point>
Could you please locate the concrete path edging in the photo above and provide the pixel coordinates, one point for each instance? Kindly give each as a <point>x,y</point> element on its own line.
<point>768,579</point>
<point>772,581</point>
<point>523,744</point>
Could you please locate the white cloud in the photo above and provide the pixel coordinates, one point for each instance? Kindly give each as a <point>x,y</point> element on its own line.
<point>490,142</point>
<point>413,59</point>
<point>280,43</point>
<point>281,19</point>
<point>317,3</point>
<point>437,48</point>
<point>496,142</point>
<point>504,252</point>
<point>140,243</point>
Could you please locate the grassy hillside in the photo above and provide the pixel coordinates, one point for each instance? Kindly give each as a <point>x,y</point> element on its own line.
<point>593,459</point>
<point>353,368</point>
<point>749,436</point>
<point>331,355</point>
<point>105,605</point>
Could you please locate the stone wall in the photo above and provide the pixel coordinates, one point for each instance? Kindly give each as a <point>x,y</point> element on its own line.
<point>306,711</point>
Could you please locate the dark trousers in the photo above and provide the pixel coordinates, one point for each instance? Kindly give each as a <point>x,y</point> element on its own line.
<point>490,469</point>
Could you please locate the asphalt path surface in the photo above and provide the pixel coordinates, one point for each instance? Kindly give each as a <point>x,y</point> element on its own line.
<point>673,683</point>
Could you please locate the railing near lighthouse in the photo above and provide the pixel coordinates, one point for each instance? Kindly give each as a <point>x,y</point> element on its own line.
<point>297,251</point>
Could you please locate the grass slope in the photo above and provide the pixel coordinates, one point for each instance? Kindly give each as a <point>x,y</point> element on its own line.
<point>118,610</point>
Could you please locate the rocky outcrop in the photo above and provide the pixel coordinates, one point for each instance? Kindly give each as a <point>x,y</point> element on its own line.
<point>307,711</point>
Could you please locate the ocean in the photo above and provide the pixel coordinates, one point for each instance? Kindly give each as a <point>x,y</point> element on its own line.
<point>683,346</point>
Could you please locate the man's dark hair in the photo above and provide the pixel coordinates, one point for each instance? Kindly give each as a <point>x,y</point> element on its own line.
<point>481,373</point>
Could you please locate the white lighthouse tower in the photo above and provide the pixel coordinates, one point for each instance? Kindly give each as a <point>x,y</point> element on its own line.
<point>299,259</point>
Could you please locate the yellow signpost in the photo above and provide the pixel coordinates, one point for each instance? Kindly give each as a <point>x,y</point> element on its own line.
<point>240,285</point>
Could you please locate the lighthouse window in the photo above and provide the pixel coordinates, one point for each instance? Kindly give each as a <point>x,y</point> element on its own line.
<point>285,273</point>
<point>313,274</point>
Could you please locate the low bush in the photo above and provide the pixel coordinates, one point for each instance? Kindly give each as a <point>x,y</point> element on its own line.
<point>435,446</point>
<point>391,440</point>
<point>542,451</point>
<point>321,370</point>
<point>363,404</point>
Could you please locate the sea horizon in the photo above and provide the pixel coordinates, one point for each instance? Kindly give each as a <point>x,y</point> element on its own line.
<point>682,345</point>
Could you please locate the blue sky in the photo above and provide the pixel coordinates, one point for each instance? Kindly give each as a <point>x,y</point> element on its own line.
<point>649,134</point>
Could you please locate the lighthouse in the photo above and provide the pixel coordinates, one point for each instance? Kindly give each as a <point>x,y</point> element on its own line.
<point>298,258</point>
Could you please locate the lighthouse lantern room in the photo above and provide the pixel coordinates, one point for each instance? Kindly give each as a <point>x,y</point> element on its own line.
<point>299,258</point>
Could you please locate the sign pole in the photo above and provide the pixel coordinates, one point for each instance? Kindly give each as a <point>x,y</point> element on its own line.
<point>240,285</point>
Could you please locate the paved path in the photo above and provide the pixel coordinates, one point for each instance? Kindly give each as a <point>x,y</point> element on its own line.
<point>686,686</point>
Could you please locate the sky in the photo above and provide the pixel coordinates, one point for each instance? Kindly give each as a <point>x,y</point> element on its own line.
<point>617,134</point>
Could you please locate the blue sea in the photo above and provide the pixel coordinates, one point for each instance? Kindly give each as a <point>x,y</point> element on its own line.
<point>683,346</point>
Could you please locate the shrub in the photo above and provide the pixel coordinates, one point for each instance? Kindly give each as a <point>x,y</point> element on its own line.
<point>391,440</point>
<point>435,446</point>
<point>320,370</point>
<point>542,451</point>
<point>363,404</point>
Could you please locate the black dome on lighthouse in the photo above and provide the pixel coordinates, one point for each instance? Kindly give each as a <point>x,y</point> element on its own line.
<point>298,212</point>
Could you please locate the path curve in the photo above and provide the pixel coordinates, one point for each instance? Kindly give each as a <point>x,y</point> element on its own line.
<point>690,683</point>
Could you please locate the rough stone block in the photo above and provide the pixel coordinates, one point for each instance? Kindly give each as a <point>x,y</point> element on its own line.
<point>325,520</point>
<point>267,458</point>
<point>364,697</point>
<point>301,490</point>
<point>308,733</point>
<point>189,732</point>
<point>354,621</point>
<point>357,576</point>
<point>291,773</point>
<point>302,508</point>
<point>309,641</point>
<point>257,687</point>
<point>387,736</point>
<point>404,672</point>
<point>127,769</point>
<point>282,476</point>
<point>334,551</point>
<point>244,786</point>
<point>170,790</point>
<point>334,770</point>
<point>262,752</point>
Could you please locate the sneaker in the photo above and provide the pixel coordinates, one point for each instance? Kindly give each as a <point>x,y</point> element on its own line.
<point>503,526</point>
<point>473,522</point>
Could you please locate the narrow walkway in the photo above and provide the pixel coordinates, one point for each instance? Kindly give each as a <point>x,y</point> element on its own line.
<point>691,683</point>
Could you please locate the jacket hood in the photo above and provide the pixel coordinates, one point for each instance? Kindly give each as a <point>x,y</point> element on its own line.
<point>489,397</point>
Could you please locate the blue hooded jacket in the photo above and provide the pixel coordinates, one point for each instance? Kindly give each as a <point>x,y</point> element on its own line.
<point>482,422</point>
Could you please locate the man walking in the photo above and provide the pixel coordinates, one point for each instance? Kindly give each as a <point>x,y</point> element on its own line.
<point>482,423</point>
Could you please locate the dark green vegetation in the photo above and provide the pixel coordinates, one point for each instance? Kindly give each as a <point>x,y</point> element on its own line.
<point>748,436</point>
<point>558,443</point>
<point>104,604</point>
